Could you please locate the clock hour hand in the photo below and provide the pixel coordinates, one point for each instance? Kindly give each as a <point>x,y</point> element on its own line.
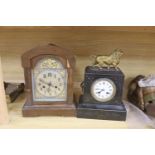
<point>48,89</point>
<point>41,80</point>
<point>47,83</point>
<point>50,84</point>
<point>100,91</point>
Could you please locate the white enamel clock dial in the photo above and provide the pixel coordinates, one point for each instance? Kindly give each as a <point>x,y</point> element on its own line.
<point>103,89</point>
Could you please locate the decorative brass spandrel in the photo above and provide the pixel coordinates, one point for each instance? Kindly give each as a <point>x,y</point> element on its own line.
<point>50,63</point>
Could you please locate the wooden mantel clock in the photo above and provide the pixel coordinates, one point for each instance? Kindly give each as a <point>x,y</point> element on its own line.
<point>48,80</point>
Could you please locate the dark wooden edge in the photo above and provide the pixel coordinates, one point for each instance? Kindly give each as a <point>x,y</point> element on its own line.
<point>34,110</point>
<point>69,28</point>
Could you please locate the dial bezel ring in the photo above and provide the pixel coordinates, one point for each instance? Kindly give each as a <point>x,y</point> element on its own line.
<point>103,99</point>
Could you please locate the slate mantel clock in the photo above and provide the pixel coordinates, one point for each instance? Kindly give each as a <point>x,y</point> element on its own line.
<point>48,74</point>
<point>102,94</point>
<point>102,90</point>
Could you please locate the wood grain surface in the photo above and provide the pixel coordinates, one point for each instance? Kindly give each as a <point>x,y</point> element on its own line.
<point>136,42</point>
<point>17,121</point>
<point>107,28</point>
<point>135,119</point>
<point>3,104</point>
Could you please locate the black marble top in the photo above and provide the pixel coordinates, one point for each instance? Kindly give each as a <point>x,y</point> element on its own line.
<point>103,70</point>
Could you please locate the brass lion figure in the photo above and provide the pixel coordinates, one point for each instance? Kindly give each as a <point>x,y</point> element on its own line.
<point>108,61</point>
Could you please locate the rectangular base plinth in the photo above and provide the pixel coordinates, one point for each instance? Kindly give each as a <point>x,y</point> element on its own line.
<point>104,112</point>
<point>33,111</point>
<point>101,114</point>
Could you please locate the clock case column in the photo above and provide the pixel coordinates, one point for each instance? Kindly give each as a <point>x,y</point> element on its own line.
<point>88,107</point>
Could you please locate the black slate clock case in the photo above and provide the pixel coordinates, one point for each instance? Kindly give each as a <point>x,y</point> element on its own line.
<point>113,109</point>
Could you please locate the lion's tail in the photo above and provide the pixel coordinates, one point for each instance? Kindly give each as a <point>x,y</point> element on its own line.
<point>93,56</point>
<point>93,59</point>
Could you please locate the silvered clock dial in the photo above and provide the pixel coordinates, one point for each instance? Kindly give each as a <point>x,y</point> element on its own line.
<point>49,80</point>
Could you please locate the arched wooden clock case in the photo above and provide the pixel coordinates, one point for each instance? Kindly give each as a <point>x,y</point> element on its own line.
<point>56,106</point>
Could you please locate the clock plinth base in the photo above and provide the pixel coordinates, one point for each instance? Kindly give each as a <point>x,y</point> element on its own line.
<point>38,110</point>
<point>100,111</point>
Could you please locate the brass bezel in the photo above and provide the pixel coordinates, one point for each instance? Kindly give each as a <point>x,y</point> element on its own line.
<point>99,99</point>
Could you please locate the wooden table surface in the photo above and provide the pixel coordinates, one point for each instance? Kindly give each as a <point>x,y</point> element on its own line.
<point>17,121</point>
<point>135,119</point>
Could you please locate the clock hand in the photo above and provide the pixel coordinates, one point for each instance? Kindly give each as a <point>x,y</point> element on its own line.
<point>41,80</point>
<point>50,84</point>
<point>100,91</point>
<point>48,89</point>
<point>47,83</point>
